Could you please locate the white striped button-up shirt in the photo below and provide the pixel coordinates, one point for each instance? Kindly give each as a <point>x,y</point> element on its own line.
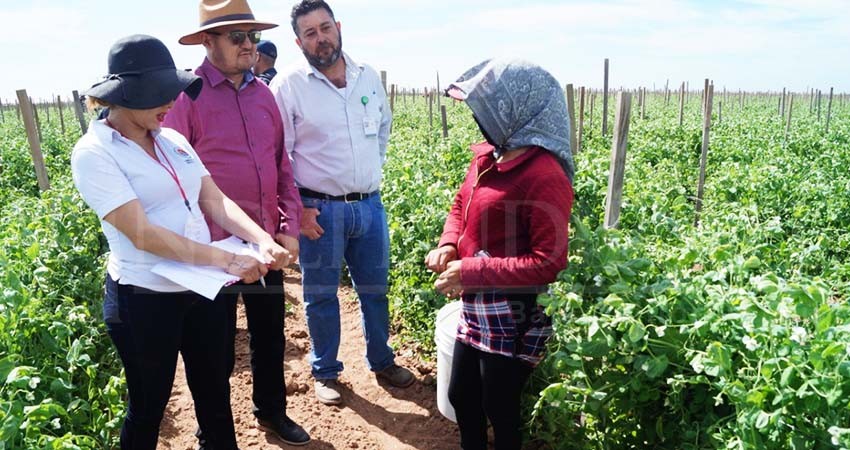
<point>325,130</point>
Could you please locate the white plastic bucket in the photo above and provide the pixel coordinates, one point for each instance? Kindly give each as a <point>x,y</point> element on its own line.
<point>444,335</point>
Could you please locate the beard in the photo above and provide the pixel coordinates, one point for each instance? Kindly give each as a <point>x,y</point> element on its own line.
<point>323,63</point>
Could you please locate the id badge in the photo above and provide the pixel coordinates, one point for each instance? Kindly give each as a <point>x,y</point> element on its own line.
<point>196,228</point>
<point>370,126</point>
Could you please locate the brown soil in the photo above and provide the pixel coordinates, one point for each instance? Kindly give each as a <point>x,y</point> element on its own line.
<point>373,415</point>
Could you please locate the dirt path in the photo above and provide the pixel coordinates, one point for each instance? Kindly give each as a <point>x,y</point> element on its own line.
<point>373,416</point>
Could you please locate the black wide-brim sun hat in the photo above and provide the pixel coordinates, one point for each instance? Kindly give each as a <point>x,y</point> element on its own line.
<point>142,75</point>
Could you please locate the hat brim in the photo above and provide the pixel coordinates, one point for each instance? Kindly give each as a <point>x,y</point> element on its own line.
<point>196,38</point>
<point>148,90</point>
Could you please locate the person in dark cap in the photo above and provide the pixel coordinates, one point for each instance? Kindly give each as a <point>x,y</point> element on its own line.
<point>237,129</point>
<point>152,193</point>
<point>266,56</point>
<point>504,240</point>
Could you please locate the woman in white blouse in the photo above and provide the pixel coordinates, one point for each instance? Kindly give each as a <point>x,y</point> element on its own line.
<point>153,196</point>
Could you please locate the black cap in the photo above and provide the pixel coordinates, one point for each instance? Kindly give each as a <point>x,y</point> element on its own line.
<point>267,48</point>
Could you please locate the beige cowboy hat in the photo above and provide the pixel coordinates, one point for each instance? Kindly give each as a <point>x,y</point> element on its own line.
<point>219,13</point>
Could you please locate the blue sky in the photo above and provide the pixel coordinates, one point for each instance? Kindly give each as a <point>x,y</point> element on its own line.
<point>53,46</point>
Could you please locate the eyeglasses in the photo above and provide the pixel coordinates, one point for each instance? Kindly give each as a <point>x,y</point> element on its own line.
<point>238,37</point>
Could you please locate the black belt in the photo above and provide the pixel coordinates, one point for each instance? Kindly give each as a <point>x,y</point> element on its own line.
<point>351,197</point>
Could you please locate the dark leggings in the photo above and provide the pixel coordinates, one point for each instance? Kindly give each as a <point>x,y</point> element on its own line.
<point>487,386</point>
<point>148,329</point>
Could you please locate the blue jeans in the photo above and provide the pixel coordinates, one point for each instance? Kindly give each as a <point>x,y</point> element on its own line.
<point>356,232</point>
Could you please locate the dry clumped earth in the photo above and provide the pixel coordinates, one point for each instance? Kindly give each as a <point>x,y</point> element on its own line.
<point>373,416</point>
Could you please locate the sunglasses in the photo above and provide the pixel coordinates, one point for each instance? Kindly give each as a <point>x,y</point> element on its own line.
<point>238,37</point>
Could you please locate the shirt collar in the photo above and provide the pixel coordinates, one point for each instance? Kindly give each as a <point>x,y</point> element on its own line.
<point>484,153</point>
<point>105,133</point>
<point>350,66</point>
<point>215,76</point>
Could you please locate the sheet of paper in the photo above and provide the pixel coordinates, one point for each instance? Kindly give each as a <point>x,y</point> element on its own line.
<point>206,280</point>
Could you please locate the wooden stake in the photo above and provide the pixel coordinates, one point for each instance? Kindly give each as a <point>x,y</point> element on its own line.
<point>790,110</point>
<point>37,119</point>
<point>592,101</point>
<point>706,128</point>
<point>78,109</point>
<point>819,96</point>
<point>643,104</point>
<point>614,199</point>
<point>719,113</point>
<point>61,114</point>
<point>2,112</point>
<point>829,110</point>
<point>812,101</point>
<point>580,120</point>
<point>392,97</point>
<point>605,102</point>
<point>445,123</point>
<point>384,80</point>
<point>430,110</point>
<point>34,141</point>
<point>681,104</point>
<point>439,93</point>
<point>571,111</point>
<point>782,104</point>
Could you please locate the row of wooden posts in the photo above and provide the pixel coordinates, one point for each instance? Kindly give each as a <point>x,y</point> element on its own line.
<point>587,96</point>
<point>619,144</point>
<point>622,120</point>
<point>27,112</point>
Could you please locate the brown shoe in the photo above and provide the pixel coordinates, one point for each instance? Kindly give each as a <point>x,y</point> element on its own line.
<point>327,391</point>
<point>397,376</point>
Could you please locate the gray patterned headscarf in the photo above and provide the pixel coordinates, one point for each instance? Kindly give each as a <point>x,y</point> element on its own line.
<point>518,104</point>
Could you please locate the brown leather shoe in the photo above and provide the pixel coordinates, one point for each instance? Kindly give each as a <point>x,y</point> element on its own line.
<point>397,376</point>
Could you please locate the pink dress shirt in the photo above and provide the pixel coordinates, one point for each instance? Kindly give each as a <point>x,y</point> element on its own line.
<point>238,134</point>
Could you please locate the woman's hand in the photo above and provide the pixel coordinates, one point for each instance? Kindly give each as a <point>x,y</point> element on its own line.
<point>275,256</point>
<point>309,226</point>
<point>449,283</point>
<point>246,267</point>
<point>438,258</point>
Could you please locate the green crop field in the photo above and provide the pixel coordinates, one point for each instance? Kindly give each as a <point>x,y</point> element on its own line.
<point>734,334</point>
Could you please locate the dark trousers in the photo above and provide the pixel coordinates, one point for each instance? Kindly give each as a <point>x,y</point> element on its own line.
<point>149,329</point>
<point>264,308</point>
<point>487,386</point>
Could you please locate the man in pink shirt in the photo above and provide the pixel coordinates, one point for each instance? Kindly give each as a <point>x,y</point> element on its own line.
<point>236,128</point>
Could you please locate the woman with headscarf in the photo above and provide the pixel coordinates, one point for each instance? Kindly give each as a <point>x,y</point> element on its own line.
<point>151,193</point>
<point>505,239</point>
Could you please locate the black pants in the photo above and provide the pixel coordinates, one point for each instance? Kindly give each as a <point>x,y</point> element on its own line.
<point>487,386</point>
<point>264,308</point>
<point>148,331</point>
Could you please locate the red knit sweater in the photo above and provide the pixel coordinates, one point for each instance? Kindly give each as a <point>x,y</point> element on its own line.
<point>517,211</point>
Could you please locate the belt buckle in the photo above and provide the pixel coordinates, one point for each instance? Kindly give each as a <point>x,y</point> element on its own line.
<point>356,197</point>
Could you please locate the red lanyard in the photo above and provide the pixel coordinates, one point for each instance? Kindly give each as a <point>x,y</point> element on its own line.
<point>172,172</point>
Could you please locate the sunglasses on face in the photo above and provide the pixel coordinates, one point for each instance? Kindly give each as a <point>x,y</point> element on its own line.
<point>238,37</point>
